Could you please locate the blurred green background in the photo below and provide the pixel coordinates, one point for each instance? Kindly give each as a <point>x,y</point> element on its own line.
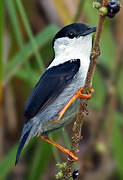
<point>26,30</point>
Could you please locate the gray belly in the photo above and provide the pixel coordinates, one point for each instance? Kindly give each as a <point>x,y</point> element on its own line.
<point>43,121</point>
<point>67,118</point>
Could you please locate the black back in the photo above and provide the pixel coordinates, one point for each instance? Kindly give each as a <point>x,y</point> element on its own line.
<point>50,85</point>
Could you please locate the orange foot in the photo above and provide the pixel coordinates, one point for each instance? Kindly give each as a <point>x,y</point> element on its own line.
<point>78,94</point>
<point>66,151</point>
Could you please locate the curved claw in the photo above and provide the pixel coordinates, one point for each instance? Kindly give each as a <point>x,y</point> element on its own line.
<point>85,96</point>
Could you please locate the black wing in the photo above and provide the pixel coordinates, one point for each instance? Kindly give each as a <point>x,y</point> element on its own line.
<point>50,85</point>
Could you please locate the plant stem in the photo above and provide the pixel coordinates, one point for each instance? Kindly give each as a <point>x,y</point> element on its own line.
<point>67,173</point>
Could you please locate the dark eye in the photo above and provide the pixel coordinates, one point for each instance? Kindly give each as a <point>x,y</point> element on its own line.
<point>88,27</point>
<point>71,35</point>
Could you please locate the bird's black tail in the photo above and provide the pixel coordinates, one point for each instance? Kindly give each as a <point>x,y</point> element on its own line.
<point>21,145</point>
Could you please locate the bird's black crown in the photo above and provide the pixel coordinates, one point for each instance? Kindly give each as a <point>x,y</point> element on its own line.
<point>74,30</point>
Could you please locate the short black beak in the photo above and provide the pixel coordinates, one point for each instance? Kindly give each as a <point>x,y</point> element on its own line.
<point>90,30</point>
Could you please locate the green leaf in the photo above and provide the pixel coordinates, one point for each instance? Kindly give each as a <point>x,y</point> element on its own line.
<point>17,32</point>
<point>23,74</point>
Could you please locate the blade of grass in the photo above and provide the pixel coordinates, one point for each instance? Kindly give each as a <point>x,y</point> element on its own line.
<point>41,39</point>
<point>14,21</point>
<point>66,138</point>
<point>22,73</point>
<point>41,158</point>
<point>18,34</point>
<point>7,164</point>
<point>30,34</point>
<point>55,150</point>
<point>42,155</point>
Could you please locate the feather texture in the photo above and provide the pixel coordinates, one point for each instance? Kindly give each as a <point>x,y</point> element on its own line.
<point>50,85</point>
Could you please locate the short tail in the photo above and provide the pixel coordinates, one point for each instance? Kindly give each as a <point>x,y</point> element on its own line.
<point>21,145</point>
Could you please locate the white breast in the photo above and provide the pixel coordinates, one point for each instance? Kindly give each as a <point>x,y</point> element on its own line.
<point>76,48</point>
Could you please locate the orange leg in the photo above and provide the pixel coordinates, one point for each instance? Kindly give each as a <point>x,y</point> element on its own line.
<point>66,151</point>
<point>78,94</point>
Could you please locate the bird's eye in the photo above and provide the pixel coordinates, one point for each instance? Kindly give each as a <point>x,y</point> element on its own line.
<point>88,27</point>
<point>71,35</point>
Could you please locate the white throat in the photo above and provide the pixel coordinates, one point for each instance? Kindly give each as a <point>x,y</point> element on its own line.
<point>76,48</point>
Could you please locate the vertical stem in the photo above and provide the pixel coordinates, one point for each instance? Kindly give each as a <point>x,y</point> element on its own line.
<point>95,53</point>
<point>67,173</point>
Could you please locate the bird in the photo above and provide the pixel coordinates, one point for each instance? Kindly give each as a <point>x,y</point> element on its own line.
<point>55,99</point>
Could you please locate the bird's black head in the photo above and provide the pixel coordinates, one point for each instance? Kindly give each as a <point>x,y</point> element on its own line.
<point>74,30</point>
